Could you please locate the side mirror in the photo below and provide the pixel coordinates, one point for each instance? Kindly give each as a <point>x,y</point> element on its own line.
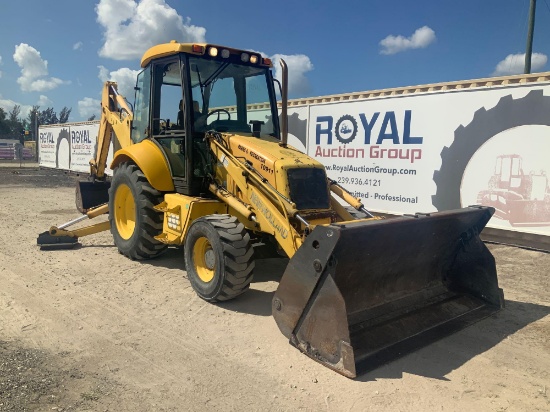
<point>279,84</point>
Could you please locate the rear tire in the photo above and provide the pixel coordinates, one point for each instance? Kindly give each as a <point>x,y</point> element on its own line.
<point>134,222</point>
<point>218,257</point>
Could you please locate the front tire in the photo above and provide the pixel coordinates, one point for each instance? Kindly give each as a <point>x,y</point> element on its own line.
<point>218,257</point>
<point>134,222</point>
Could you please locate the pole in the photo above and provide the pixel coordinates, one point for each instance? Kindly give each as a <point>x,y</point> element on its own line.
<point>530,30</point>
<point>36,134</point>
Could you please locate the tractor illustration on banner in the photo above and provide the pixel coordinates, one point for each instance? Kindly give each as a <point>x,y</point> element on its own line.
<point>522,199</point>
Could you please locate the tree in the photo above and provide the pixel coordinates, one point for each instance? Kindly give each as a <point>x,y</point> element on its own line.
<point>14,113</point>
<point>32,115</point>
<point>14,124</point>
<point>30,121</point>
<point>92,117</point>
<point>4,125</point>
<point>48,116</point>
<point>64,115</point>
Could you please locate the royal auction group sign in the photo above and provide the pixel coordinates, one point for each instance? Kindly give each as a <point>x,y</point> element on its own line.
<point>69,146</point>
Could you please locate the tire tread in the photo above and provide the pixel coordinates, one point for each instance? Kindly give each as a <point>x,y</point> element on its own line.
<point>238,256</point>
<point>147,197</point>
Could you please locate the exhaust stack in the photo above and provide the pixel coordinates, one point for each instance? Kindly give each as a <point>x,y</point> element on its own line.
<point>284,104</point>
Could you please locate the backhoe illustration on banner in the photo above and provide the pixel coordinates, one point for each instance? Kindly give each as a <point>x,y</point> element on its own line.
<point>193,167</point>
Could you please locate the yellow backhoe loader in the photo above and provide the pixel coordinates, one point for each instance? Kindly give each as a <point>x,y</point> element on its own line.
<point>197,165</point>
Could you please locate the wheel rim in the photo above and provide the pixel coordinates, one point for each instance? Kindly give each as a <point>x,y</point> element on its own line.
<point>204,259</point>
<point>125,211</point>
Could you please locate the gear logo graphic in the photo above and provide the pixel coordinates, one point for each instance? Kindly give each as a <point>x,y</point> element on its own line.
<point>345,129</point>
<point>63,135</point>
<point>532,109</point>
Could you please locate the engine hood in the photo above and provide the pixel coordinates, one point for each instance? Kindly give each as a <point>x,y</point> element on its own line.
<point>269,158</point>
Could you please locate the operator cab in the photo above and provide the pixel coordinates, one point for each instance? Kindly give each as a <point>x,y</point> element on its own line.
<point>186,90</point>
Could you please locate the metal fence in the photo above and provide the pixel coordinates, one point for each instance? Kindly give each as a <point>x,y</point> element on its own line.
<point>16,152</point>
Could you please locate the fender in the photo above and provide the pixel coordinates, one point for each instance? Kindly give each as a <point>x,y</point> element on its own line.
<point>151,161</point>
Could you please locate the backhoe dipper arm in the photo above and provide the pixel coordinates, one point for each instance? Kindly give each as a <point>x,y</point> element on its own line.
<point>116,117</point>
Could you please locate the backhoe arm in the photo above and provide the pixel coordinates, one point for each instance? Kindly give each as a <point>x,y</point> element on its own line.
<point>116,118</point>
<point>59,236</point>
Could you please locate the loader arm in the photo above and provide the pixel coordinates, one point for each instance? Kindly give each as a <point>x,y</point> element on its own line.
<point>265,203</point>
<point>260,203</point>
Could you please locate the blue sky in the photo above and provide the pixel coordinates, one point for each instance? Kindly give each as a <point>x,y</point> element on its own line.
<point>331,46</point>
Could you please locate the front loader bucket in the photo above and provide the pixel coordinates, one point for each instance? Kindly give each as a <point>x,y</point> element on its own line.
<point>91,194</point>
<point>360,294</point>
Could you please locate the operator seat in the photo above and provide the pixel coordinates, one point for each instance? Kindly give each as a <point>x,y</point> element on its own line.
<point>199,120</point>
<point>196,110</point>
<point>196,114</point>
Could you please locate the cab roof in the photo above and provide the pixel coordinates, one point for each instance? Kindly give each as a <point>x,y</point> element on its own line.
<point>168,49</point>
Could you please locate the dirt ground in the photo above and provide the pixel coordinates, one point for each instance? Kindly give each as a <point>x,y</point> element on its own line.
<point>89,330</point>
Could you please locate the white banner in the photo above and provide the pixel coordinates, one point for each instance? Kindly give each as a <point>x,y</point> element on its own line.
<point>83,146</point>
<point>53,146</point>
<point>441,151</point>
<point>70,146</point>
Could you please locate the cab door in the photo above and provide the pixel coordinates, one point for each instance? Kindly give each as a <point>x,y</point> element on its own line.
<point>169,118</point>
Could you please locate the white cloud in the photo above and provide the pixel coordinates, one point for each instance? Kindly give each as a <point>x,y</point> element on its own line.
<point>131,27</point>
<point>88,107</point>
<point>421,38</point>
<point>103,73</point>
<point>34,70</point>
<point>8,104</point>
<point>298,66</point>
<point>78,45</point>
<point>515,64</point>
<point>44,101</point>
<point>125,78</point>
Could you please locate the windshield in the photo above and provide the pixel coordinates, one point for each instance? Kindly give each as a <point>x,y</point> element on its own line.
<point>227,97</point>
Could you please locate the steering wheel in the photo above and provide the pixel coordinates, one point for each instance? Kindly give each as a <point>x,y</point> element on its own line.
<point>219,111</point>
<point>164,125</point>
